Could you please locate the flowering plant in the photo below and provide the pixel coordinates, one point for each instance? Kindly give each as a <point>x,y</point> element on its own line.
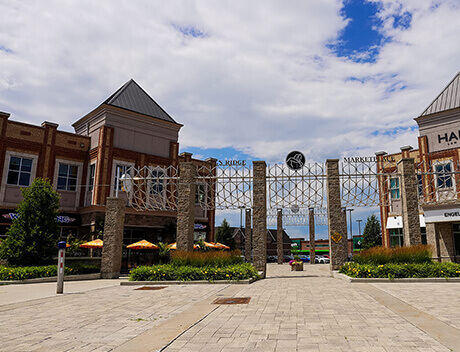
<point>295,261</point>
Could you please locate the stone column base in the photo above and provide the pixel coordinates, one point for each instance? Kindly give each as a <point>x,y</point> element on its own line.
<point>110,275</point>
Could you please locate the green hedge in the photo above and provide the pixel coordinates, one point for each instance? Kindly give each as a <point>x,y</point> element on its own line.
<point>408,270</point>
<point>169,272</point>
<point>32,272</point>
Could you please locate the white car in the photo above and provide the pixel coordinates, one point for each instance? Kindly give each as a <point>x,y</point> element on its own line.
<point>322,260</point>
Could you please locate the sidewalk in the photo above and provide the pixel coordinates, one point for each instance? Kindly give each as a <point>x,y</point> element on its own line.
<point>288,311</point>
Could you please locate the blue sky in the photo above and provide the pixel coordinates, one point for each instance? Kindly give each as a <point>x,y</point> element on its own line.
<point>248,80</point>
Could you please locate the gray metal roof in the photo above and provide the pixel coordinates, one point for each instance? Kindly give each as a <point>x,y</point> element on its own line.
<point>133,98</point>
<point>448,99</point>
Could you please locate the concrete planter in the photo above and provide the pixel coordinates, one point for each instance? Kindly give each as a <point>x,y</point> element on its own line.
<point>297,267</point>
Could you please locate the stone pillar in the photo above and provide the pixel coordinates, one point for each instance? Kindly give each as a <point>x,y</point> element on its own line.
<point>409,201</point>
<point>113,238</point>
<point>433,240</point>
<point>338,250</point>
<point>311,229</point>
<point>439,236</point>
<point>248,235</point>
<point>259,235</point>
<point>279,236</point>
<point>186,207</point>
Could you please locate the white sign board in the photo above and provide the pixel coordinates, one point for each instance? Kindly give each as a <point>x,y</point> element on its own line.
<point>442,215</point>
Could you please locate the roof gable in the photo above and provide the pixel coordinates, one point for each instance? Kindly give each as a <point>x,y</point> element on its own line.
<point>448,99</point>
<point>132,97</point>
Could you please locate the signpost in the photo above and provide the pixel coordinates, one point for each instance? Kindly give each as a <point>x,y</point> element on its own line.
<point>60,269</point>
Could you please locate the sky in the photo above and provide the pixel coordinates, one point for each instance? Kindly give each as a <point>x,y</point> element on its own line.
<point>249,80</point>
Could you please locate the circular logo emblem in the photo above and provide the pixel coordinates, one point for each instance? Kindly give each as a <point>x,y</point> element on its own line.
<point>295,160</point>
<point>295,208</point>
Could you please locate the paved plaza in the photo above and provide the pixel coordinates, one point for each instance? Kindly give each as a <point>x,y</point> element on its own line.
<point>288,311</point>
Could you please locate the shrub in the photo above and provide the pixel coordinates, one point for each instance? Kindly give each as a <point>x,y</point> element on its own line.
<point>211,258</point>
<point>399,270</point>
<point>33,236</point>
<point>382,255</point>
<point>32,272</point>
<point>172,272</point>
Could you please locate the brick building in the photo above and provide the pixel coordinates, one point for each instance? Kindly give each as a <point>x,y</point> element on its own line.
<point>437,166</point>
<point>129,129</point>
<point>240,238</point>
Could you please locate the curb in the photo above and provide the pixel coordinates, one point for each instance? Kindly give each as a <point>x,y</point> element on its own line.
<point>335,274</point>
<point>198,282</point>
<point>338,275</point>
<point>53,279</point>
<point>414,280</point>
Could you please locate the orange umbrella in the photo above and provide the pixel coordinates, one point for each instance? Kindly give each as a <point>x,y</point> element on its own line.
<point>92,244</point>
<point>174,246</point>
<point>211,245</point>
<point>221,246</point>
<point>142,245</point>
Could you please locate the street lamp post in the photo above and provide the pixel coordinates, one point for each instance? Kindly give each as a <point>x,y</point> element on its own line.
<point>359,226</point>
<point>351,225</point>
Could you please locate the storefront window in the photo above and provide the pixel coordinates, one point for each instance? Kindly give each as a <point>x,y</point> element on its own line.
<point>394,188</point>
<point>423,231</point>
<point>67,177</point>
<point>200,193</point>
<point>120,171</point>
<point>92,171</point>
<point>19,171</point>
<point>444,175</point>
<point>157,181</point>
<point>396,238</point>
<point>420,185</point>
<point>69,233</point>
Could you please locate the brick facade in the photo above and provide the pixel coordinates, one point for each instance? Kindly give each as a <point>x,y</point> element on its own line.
<point>100,140</point>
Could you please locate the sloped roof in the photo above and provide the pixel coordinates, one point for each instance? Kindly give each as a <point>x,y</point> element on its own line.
<point>448,99</point>
<point>133,98</point>
<point>271,234</point>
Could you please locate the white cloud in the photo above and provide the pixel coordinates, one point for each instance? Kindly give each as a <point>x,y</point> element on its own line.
<point>261,78</point>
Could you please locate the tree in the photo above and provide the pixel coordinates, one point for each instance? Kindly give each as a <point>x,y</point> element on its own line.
<point>224,235</point>
<point>372,235</point>
<point>33,237</point>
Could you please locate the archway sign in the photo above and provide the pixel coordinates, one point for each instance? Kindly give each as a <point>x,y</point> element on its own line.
<point>295,160</point>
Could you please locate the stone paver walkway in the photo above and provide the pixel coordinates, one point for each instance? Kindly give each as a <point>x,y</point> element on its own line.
<point>288,311</point>
<point>304,311</point>
<point>96,320</point>
<point>440,300</point>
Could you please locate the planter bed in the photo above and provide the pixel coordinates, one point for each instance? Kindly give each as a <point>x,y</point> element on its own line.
<point>197,282</point>
<point>53,279</point>
<point>173,273</point>
<point>9,273</point>
<point>390,271</point>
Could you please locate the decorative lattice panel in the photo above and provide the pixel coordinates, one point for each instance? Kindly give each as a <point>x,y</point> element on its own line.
<point>299,218</point>
<point>368,183</point>
<point>228,187</point>
<point>152,188</point>
<point>438,181</point>
<point>304,188</point>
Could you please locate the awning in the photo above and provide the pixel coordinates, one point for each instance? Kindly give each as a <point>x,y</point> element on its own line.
<point>396,222</point>
<point>442,215</point>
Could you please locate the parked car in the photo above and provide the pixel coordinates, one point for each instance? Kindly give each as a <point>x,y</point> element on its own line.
<point>287,258</point>
<point>272,259</point>
<point>323,260</point>
<point>305,258</point>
